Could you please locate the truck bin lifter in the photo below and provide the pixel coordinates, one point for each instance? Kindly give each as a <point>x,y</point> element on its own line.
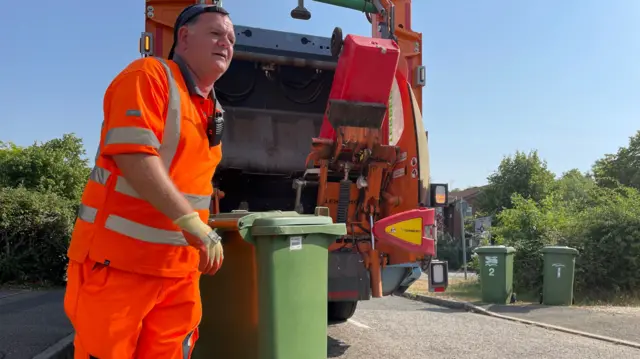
<point>281,90</point>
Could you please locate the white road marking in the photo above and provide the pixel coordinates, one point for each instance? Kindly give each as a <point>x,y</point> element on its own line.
<point>358,324</point>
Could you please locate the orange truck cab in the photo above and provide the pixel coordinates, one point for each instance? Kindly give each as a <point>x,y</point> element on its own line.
<point>331,121</point>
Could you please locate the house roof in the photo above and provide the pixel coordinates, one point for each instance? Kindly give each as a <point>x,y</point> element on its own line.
<point>466,193</point>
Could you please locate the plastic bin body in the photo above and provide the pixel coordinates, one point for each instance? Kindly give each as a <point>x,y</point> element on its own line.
<point>496,273</point>
<point>229,326</point>
<point>558,275</point>
<point>365,73</point>
<point>361,57</point>
<point>269,299</point>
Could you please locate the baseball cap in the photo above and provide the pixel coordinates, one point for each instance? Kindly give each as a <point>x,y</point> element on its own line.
<point>190,13</point>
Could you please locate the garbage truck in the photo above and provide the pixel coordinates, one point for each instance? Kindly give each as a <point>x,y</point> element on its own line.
<point>332,121</point>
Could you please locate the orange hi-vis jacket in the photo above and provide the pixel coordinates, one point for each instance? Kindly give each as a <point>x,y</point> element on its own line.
<point>150,107</point>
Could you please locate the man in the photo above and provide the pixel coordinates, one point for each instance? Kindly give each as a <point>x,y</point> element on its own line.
<point>141,239</point>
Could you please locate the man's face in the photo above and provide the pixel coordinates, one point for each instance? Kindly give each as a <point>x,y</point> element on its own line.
<point>208,44</point>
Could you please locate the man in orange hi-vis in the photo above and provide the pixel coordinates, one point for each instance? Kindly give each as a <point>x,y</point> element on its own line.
<point>141,240</point>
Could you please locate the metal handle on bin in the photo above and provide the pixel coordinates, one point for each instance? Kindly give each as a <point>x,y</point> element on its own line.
<point>223,224</point>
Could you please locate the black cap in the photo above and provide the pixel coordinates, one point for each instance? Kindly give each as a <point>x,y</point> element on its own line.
<point>190,13</point>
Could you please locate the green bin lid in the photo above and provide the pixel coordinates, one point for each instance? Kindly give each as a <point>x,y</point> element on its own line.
<point>291,225</point>
<point>291,220</point>
<point>279,223</point>
<point>495,250</point>
<point>560,250</point>
<point>245,218</point>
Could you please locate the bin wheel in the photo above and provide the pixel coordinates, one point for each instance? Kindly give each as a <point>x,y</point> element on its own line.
<point>341,311</point>
<point>540,298</point>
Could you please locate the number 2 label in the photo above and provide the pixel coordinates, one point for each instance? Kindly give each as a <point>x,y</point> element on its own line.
<point>492,272</point>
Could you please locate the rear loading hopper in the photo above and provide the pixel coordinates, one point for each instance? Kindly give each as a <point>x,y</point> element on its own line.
<point>275,95</point>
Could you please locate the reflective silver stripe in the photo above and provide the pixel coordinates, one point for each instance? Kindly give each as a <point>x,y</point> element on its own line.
<point>171,134</point>
<point>131,135</point>
<point>87,214</point>
<point>100,175</point>
<point>196,201</point>
<point>186,346</point>
<point>123,186</point>
<point>99,147</point>
<point>144,233</point>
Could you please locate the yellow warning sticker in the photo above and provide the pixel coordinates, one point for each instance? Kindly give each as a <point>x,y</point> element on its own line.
<point>408,231</point>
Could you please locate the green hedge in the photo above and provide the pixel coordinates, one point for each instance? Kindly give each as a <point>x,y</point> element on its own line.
<point>35,229</point>
<point>605,229</point>
<point>607,235</point>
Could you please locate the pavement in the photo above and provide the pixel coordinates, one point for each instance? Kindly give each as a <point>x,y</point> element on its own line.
<point>615,322</point>
<point>391,327</point>
<point>621,323</point>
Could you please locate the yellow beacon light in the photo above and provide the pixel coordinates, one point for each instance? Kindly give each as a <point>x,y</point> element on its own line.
<point>146,44</point>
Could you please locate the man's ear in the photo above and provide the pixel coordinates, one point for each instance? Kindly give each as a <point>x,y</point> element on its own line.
<point>183,34</point>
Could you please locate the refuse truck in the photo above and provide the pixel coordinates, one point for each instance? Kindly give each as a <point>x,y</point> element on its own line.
<point>332,121</point>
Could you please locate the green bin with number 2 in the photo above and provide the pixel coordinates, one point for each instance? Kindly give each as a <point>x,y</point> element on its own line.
<point>496,273</point>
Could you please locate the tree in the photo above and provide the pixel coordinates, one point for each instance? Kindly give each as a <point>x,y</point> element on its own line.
<point>607,235</point>
<point>528,226</point>
<point>621,168</point>
<point>40,190</point>
<point>35,228</point>
<point>597,214</point>
<point>573,188</point>
<point>526,175</point>
<point>55,166</point>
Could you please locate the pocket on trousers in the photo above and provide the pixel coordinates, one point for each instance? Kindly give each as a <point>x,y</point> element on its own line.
<point>96,278</point>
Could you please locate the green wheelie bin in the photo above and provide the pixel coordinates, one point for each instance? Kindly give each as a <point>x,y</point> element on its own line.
<point>269,298</point>
<point>496,273</point>
<point>558,275</point>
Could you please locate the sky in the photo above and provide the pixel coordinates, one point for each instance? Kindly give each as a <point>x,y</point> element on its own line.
<point>562,77</point>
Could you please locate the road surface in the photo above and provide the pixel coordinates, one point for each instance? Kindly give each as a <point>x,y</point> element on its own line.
<point>398,328</point>
<point>30,322</point>
<point>389,328</point>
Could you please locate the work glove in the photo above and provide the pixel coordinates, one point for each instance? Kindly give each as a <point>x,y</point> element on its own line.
<point>200,236</point>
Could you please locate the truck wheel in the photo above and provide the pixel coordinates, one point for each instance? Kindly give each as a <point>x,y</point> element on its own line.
<point>341,311</point>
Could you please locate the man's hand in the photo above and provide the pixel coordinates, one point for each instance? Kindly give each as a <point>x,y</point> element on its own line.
<point>200,236</point>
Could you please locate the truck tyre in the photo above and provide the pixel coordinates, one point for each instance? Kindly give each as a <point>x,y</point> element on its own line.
<point>341,311</point>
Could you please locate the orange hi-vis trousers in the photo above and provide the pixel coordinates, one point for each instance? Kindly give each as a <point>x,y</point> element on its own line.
<point>123,315</point>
